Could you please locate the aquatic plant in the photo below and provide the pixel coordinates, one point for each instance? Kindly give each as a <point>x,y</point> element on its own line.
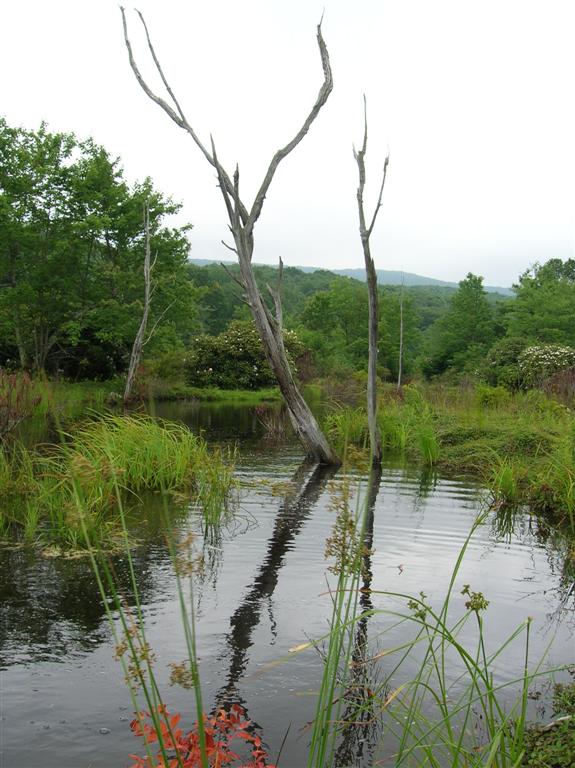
<point>221,730</point>
<point>74,486</point>
<point>520,444</point>
<point>347,426</point>
<point>430,718</point>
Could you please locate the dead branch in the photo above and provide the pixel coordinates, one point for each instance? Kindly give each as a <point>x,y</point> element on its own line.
<point>322,97</point>
<point>371,275</point>
<point>233,277</point>
<point>242,226</point>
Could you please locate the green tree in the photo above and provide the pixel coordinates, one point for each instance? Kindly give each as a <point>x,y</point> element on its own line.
<point>71,255</point>
<point>544,307</point>
<point>461,338</point>
<point>334,325</point>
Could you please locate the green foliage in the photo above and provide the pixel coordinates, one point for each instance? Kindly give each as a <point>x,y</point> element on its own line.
<point>75,488</point>
<point>71,257</point>
<point>234,359</point>
<point>522,445</point>
<point>538,363</point>
<point>460,339</point>
<point>502,365</point>
<point>491,397</point>
<point>544,307</point>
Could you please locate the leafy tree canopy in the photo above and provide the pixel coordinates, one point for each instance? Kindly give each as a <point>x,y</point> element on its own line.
<point>71,256</point>
<point>544,308</point>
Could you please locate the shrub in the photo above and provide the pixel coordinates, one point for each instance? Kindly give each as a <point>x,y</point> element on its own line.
<point>235,359</point>
<point>491,397</point>
<point>502,365</point>
<point>538,363</point>
<point>171,366</point>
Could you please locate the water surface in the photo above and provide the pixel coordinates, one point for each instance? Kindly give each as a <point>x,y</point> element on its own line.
<point>263,591</point>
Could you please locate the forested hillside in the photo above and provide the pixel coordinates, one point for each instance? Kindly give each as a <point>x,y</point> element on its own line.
<point>72,287</point>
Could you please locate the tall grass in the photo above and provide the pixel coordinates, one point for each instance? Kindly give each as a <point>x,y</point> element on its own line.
<point>521,445</point>
<point>432,717</point>
<point>82,473</point>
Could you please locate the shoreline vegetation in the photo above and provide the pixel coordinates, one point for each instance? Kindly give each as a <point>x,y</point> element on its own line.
<point>60,496</point>
<point>84,494</point>
<point>520,445</point>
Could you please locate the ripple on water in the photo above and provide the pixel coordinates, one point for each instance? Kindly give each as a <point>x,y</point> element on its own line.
<point>263,593</point>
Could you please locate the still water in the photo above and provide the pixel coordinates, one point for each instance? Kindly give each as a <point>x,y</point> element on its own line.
<point>263,591</point>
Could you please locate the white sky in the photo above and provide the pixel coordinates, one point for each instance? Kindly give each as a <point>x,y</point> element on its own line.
<point>474,99</point>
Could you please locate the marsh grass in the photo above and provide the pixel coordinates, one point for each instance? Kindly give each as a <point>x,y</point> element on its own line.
<point>132,453</point>
<point>161,390</point>
<point>521,445</point>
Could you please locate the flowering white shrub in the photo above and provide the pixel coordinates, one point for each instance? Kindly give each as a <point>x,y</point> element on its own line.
<point>538,363</point>
<point>235,359</point>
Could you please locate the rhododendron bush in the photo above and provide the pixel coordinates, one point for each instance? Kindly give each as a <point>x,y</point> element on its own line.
<point>538,363</point>
<point>235,359</point>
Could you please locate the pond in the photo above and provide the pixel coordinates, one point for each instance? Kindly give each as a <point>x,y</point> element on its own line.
<point>262,592</point>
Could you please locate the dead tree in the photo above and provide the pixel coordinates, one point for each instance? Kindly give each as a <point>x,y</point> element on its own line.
<point>400,360</point>
<point>365,231</point>
<point>241,223</point>
<point>140,339</point>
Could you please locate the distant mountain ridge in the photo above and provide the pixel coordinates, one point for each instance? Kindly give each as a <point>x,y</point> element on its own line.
<point>384,277</point>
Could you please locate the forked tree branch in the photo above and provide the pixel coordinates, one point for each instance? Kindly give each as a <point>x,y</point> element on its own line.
<point>366,231</point>
<point>177,115</point>
<point>322,97</point>
<point>230,274</point>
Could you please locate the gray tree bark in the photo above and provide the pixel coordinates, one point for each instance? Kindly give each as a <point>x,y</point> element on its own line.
<point>140,339</point>
<point>20,344</point>
<point>365,231</point>
<point>400,361</point>
<point>241,223</point>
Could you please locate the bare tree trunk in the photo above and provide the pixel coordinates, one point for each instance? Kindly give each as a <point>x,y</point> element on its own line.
<point>365,233</point>
<point>400,362</point>
<point>139,341</point>
<point>20,344</point>
<point>242,222</point>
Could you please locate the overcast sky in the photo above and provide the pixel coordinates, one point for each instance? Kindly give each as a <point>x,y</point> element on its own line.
<point>474,100</point>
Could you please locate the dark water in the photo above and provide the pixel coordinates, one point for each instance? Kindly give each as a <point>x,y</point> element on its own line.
<point>64,703</point>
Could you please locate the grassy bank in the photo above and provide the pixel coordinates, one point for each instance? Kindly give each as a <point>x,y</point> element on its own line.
<point>77,487</point>
<point>77,396</point>
<point>161,391</point>
<point>522,445</point>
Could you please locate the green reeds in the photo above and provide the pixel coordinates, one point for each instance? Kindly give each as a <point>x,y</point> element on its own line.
<point>522,445</point>
<point>129,632</point>
<point>348,426</point>
<point>430,718</point>
<point>406,427</point>
<point>135,453</point>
